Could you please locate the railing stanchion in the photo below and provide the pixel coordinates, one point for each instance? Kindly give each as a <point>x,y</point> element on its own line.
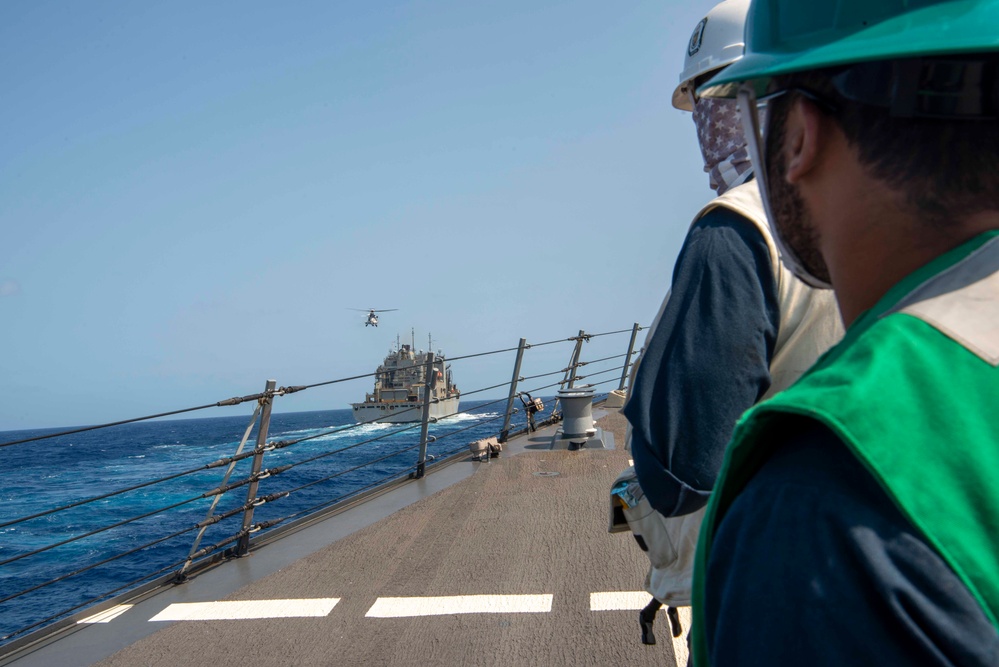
<point>575,358</point>
<point>504,434</point>
<point>428,385</point>
<point>627,360</point>
<point>243,546</point>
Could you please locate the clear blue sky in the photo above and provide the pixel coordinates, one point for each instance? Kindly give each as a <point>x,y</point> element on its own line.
<point>193,194</point>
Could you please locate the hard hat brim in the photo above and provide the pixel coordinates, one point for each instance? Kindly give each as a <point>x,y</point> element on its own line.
<point>681,100</point>
<point>959,27</point>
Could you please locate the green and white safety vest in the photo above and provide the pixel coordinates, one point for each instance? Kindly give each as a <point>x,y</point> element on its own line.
<point>913,392</point>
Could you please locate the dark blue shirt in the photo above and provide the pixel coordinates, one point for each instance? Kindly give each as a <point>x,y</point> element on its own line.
<point>706,363</point>
<point>814,565</point>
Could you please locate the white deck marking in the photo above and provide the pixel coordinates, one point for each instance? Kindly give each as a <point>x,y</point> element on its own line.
<point>619,600</point>
<point>679,643</point>
<point>634,600</point>
<point>246,609</point>
<point>107,615</point>
<point>459,604</point>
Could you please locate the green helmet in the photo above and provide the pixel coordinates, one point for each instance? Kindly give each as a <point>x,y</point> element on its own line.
<point>784,36</point>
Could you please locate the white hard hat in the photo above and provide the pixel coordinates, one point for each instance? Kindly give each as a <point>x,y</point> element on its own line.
<point>717,41</point>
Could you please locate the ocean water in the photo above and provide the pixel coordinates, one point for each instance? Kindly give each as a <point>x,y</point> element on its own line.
<point>47,474</point>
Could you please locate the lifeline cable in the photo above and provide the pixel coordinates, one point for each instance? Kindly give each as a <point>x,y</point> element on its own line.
<point>280,392</point>
<point>98,564</point>
<point>314,508</point>
<point>98,598</point>
<point>349,447</point>
<point>99,530</point>
<point>357,467</point>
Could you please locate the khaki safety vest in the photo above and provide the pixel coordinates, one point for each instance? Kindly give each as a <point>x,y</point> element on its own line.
<point>809,325</point>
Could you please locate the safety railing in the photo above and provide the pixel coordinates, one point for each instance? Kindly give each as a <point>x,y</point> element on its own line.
<point>72,547</point>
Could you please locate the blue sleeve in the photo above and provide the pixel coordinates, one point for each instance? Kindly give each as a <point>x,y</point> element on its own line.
<point>707,361</point>
<point>814,565</point>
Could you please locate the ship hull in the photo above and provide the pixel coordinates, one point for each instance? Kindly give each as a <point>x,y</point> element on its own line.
<point>402,412</point>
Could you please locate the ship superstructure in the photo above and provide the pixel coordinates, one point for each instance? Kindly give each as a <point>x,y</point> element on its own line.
<point>400,383</point>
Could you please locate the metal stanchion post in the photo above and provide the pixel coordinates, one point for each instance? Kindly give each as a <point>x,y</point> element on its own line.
<point>243,546</point>
<point>428,385</point>
<point>513,390</point>
<point>575,358</point>
<point>627,360</point>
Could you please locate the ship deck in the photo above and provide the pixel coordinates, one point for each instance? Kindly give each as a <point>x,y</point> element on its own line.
<point>502,562</point>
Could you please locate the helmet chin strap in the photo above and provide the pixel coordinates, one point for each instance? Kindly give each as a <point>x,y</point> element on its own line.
<point>753,127</point>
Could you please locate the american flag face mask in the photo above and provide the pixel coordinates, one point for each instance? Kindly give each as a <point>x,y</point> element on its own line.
<point>723,144</point>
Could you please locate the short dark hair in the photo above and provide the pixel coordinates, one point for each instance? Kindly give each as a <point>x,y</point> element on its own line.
<point>945,168</point>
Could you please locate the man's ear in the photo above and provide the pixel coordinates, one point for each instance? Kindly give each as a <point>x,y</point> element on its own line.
<point>803,139</point>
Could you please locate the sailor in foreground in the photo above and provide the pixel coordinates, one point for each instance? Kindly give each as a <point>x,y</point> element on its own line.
<point>856,518</point>
<point>736,327</point>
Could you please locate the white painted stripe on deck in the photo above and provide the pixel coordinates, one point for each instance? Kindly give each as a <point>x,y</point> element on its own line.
<point>107,615</point>
<point>246,609</point>
<point>619,600</point>
<point>460,604</point>
<point>679,643</point>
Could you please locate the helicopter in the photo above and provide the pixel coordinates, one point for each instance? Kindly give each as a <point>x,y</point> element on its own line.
<point>372,318</point>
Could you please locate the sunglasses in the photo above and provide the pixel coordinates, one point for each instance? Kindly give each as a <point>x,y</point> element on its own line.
<point>755,112</point>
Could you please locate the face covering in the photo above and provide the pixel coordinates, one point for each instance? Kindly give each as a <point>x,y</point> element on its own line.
<point>723,144</point>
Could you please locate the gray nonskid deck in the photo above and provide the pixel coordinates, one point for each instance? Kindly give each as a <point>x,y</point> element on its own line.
<point>503,530</point>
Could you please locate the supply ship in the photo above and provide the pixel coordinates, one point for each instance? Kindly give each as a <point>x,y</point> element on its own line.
<point>400,382</point>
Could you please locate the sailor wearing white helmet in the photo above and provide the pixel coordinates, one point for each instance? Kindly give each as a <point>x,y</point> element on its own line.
<point>735,327</point>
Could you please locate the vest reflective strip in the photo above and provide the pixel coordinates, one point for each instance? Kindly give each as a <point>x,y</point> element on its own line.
<point>951,302</point>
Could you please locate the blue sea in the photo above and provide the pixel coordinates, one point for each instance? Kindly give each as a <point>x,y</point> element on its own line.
<point>40,476</point>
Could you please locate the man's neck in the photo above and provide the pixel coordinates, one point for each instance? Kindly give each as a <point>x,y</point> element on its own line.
<point>885,248</point>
